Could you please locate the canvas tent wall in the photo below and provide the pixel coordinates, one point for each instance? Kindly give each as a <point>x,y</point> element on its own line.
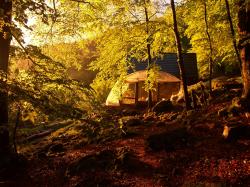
<point>132,90</point>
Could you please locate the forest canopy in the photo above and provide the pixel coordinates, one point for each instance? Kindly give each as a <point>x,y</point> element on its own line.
<point>175,76</point>
<point>71,53</point>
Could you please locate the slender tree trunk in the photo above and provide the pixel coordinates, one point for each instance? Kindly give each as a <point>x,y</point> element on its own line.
<point>244,45</point>
<point>210,48</point>
<point>232,32</point>
<point>180,58</point>
<point>149,54</point>
<point>5,38</point>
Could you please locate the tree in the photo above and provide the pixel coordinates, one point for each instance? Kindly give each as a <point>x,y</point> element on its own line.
<point>9,9</point>
<point>224,56</point>
<point>180,58</point>
<point>232,31</point>
<point>128,36</point>
<point>210,48</point>
<point>244,45</point>
<point>5,38</point>
<point>148,51</point>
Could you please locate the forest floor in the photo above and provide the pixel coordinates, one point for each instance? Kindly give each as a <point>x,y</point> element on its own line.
<point>131,148</point>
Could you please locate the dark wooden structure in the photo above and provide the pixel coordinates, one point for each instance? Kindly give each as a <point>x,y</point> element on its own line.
<point>168,63</point>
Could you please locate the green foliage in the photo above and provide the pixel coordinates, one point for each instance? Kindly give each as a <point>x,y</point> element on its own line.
<point>44,84</point>
<point>152,78</point>
<point>120,34</point>
<point>223,52</point>
<point>126,40</point>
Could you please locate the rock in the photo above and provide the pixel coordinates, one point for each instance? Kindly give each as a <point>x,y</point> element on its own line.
<point>130,121</point>
<point>236,131</point>
<point>56,148</point>
<point>103,160</point>
<point>126,160</point>
<point>163,106</point>
<point>130,112</point>
<point>168,140</point>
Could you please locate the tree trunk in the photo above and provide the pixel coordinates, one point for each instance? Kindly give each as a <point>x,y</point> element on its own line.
<point>244,45</point>
<point>149,54</point>
<point>180,58</point>
<point>232,32</point>
<point>5,38</point>
<point>210,49</point>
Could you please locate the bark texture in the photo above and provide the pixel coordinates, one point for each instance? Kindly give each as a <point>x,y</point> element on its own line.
<point>232,32</point>
<point>149,53</point>
<point>5,38</point>
<point>244,45</point>
<point>180,58</point>
<point>210,48</point>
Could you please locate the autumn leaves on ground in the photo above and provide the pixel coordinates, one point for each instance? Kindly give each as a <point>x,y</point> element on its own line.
<point>135,148</point>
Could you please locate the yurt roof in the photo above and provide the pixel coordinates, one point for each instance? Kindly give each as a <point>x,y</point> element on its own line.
<point>142,76</point>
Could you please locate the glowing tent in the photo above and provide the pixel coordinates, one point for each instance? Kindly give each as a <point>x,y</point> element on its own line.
<point>132,90</point>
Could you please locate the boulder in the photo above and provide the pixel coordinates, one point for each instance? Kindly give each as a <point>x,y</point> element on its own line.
<point>57,148</point>
<point>102,160</point>
<point>235,131</point>
<point>130,121</point>
<point>163,106</point>
<point>168,141</point>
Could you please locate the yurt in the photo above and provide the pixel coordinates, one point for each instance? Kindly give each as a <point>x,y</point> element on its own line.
<point>132,90</point>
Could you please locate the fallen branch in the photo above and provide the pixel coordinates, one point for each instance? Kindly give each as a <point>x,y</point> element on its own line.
<point>39,135</point>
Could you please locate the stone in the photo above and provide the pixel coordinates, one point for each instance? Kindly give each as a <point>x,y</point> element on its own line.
<point>163,106</point>
<point>130,121</point>
<point>167,140</point>
<point>103,160</point>
<point>236,131</point>
<point>56,148</point>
